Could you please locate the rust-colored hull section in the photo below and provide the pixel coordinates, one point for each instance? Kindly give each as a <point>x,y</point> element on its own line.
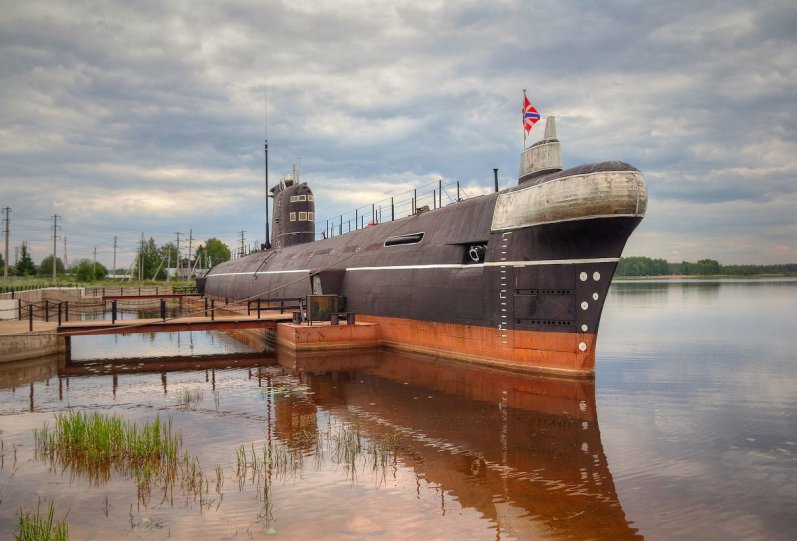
<point>528,351</point>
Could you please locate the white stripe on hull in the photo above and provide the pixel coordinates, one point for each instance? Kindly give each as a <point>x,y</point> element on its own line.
<point>443,266</point>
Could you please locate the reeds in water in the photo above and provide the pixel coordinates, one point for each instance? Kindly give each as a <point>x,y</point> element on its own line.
<point>189,399</point>
<point>343,443</point>
<point>95,445</point>
<point>38,527</point>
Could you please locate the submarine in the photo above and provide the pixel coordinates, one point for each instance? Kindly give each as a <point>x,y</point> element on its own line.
<point>515,279</point>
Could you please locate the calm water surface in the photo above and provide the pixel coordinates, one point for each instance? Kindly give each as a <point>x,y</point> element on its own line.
<point>688,432</point>
<point>697,398</point>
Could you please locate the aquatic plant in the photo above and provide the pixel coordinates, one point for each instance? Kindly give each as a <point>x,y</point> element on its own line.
<point>37,527</point>
<point>95,445</point>
<point>344,443</point>
<point>189,399</point>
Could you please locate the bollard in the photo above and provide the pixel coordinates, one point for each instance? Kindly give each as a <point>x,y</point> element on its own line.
<point>206,307</point>
<point>248,308</point>
<point>46,310</point>
<point>213,309</point>
<point>30,317</point>
<point>350,318</point>
<point>59,314</point>
<point>66,311</point>
<point>334,318</point>
<point>113,312</point>
<point>258,308</point>
<point>19,309</point>
<point>163,309</point>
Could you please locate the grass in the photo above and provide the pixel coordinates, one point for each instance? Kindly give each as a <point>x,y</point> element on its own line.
<point>343,443</point>
<point>37,527</point>
<point>189,399</point>
<point>95,445</point>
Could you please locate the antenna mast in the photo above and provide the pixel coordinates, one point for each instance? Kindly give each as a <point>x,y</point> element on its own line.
<point>268,235</point>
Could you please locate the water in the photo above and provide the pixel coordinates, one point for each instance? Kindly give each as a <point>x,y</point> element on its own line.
<point>697,395</point>
<point>688,432</point>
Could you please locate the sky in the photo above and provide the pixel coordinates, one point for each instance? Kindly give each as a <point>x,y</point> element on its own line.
<point>149,117</point>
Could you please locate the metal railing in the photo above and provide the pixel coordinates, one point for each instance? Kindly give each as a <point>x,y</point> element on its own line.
<point>428,197</point>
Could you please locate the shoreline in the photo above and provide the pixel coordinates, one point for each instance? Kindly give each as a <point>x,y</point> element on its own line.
<point>705,277</point>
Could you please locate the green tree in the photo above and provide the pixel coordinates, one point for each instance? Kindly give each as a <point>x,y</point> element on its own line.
<point>212,253</point>
<point>89,271</point>
<point>152,266</point>
<point>708,266</point>
<point>168,253</point>
<point>46,266</point>
<point>25,267</point>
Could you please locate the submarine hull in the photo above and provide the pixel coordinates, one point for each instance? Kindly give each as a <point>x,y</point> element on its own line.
<point>515,279</point>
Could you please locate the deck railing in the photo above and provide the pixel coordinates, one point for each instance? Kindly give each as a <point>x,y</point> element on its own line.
<point>428,197</point>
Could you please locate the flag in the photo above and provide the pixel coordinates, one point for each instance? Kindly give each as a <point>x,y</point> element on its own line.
<point>530,115</point>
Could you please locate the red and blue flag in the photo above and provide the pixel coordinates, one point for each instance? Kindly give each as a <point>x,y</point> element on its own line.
<point>530,114</point>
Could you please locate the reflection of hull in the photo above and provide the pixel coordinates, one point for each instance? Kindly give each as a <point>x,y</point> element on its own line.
<point>523,451</point>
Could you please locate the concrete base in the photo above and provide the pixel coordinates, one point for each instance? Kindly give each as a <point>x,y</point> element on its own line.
<point>324,336</point>
<point>17,343</point>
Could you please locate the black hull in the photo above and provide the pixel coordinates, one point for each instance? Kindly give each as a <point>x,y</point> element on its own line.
<point>547,279</point>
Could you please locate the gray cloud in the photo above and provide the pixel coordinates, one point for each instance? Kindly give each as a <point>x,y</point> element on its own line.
<point>150,116</point>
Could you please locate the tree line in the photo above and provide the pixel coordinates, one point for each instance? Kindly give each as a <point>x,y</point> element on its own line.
<point>151,263</point>
<point>645,266</point>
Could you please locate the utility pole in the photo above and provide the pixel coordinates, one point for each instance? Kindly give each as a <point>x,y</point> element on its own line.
<point>66,261</point>
<point>190,240</point>
<point>55,238</point>
<point>141,260</point>
<point>94,266</point>
<point>177,266</point>
<point>114,257</point>
<point>6,230</point>
<point>242,243</point>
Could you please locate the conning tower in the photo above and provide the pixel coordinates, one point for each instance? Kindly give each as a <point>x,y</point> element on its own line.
<point>293,217</point>
<point>543,157</point>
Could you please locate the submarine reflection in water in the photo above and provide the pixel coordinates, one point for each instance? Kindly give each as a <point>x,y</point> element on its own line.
<point>523,451</point>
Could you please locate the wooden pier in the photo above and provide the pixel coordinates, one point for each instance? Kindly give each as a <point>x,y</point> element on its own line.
<point>196,323</point>
<point>149,296</point>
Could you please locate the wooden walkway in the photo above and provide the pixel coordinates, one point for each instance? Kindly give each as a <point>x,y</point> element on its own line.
<point>148,296</point>
<point>130,326</point>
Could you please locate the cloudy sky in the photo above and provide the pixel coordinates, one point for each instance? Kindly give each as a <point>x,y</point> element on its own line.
<point>125,118</point>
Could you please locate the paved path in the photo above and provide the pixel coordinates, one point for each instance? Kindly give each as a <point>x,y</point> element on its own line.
<point>21,327</point>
